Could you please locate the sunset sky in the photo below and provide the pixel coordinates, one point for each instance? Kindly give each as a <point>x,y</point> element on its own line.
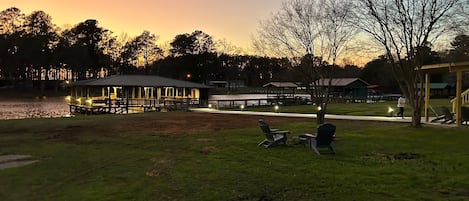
<point>233,20</point>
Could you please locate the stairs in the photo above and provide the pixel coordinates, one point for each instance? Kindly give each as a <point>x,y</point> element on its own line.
<point>464,99</point>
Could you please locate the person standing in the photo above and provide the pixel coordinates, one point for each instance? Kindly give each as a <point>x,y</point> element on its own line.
<point>401,105</point>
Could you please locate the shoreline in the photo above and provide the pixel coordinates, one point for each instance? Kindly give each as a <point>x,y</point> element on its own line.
<point>14,107</point>
<point>25,94</point>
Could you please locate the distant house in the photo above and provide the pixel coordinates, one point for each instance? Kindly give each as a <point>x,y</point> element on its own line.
<point>346,87</point>
<point>442,90</point>
<point>280,88</point>
<point>140,92</point>
<point>218,84</point>
<point>290,85</point>
<point>232,84</point>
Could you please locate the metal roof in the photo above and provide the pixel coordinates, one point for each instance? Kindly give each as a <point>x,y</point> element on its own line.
<point>438,85</point>
<point>138,81</point>
<point>340,81</point>
<point>281,85</point>
<point>447,67</point>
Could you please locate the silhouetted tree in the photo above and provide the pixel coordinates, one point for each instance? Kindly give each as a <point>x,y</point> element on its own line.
<point>196,56</point>
<point>459,52</point>
<point>141,51</point>
<point>402,28</point>
<point>40,36</point>
<point>82,48</point>
<point>309,32</point>
<point>11,20</point>
<point>225,47</point>
<point>379,72</point>
<point>197,42</point>
<point>459,49</point>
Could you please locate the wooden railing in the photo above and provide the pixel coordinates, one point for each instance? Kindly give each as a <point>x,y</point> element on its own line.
<point>464,99</point>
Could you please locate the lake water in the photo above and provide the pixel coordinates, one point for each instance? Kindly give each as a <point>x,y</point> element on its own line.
<point>33,108</point>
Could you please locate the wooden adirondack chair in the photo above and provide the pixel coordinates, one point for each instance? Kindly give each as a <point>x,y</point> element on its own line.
<point>273,137</point>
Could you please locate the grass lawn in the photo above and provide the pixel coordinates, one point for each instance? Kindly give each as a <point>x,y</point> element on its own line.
<point>359,109</point>
<point>92,158</point>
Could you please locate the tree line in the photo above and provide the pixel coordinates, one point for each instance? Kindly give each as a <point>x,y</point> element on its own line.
<point>32,47</point>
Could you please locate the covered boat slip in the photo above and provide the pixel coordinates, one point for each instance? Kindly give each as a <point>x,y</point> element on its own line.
<point>134,93</point>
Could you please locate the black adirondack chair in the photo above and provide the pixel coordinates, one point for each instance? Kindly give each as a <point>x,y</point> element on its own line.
<point>323,139</point>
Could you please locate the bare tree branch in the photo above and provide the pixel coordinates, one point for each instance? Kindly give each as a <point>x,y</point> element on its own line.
<point>312,34</point>
<point>402,28</point>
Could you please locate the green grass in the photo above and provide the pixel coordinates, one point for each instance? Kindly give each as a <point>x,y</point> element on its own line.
<point>93,164</point>
<point>359,109</point>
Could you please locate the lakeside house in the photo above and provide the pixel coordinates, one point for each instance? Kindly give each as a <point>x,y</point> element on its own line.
<point>346,87</point>
<point>281,88</point>
<point>128,93</point>
<point>441,90</point>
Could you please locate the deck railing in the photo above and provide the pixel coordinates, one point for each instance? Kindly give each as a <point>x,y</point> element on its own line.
<point>464,99</point>
<point>123,105</point>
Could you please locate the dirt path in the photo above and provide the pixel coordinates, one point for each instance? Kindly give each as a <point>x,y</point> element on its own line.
<point>190,122</point>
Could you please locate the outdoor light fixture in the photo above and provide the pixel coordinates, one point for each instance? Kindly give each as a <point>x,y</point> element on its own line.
<point>276,108</point>
<point>78,100</point>
<point>390,110</point>
<point>242,107</point>
<point>68,99</point>
<point>209,105</point>
<point>319,108</point>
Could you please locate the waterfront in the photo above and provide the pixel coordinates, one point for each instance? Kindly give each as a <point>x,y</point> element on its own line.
<point>40,107</point>
<point>50,107</point>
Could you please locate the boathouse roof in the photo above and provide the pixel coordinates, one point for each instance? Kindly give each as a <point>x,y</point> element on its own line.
<point>138,81</point>
<point>281,85</point>
<point>342,82</point>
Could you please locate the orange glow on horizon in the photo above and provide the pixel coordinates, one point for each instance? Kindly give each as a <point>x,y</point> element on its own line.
<point>234,21</point>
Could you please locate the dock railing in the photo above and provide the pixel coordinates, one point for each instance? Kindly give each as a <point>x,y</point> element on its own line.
<point>124,105</point>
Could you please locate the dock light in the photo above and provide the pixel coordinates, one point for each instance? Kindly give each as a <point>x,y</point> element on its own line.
<point>68,99</point>
<point>78,100</point>
<point>276,108</point>
<point>67,82</point>
<point>390,110</point>
<point>209,105</point>
<point>242,107</point>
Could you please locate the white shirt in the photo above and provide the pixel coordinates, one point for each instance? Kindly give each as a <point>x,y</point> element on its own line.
<point>401,102</point>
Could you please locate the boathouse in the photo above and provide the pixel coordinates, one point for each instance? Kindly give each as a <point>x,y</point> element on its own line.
<point>134,93</point>
<point>346,87</point>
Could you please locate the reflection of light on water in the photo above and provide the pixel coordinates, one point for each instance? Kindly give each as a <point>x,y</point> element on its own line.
<point>24,108</point>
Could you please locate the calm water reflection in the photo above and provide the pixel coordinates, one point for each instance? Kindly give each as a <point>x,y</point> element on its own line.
<point>33,108</point>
